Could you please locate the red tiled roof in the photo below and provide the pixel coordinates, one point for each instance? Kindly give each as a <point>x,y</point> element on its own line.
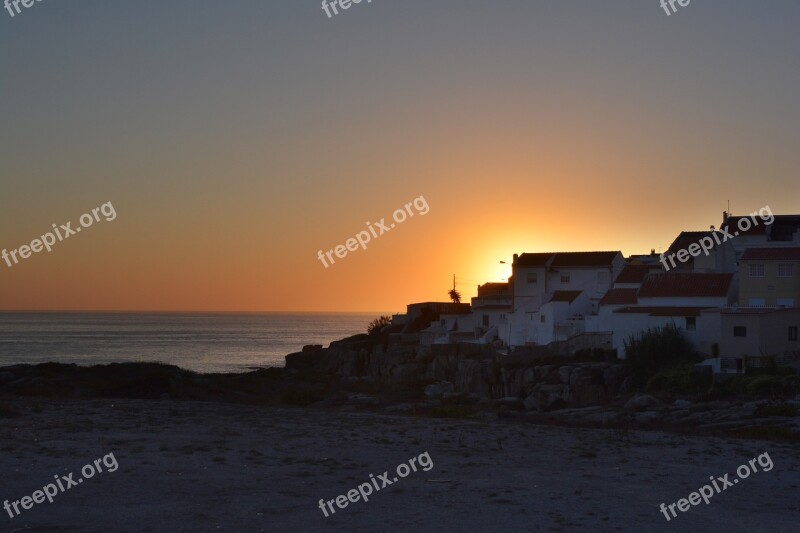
<point>634,273</point>
<point>537,259</point>
<point>685,239</point>
<point>771,254</point>
<point>565,296</point>
<point>663,311</point>
<point>494,289</point>
<point>685,284</point>
<point>572,259</point>
<point>732,226</point>
<point>567,259</point>
<point>494,285</point>
<point>620,297</point>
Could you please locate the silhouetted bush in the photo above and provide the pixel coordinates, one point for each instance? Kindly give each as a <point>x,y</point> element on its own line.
<point>681,378</point>
<point>656,350</point>
<point>378,324</point>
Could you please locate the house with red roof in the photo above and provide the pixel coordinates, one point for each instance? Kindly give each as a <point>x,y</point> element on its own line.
<point>661,299</point>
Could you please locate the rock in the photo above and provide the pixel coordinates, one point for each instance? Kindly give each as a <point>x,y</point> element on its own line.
<point>613,376</point>
<point>6,377</point>
<point>647,417</point>
<point>510,402</point>
<point>531,403</point>
<point>459,398</point>
<point>437,390</point>
<point>528,380</point>
<point>641,402</point>
<point>308,348</point>
<point>363,399</point>
<point>682,404</point>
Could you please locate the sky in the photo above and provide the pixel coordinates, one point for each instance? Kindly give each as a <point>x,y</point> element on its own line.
<point>235,140</point>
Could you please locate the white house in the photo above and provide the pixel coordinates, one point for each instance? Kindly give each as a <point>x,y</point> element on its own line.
<point>554,292</point>
<point>676,298</point>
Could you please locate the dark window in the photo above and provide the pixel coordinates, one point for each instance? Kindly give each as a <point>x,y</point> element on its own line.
<point>757,270</point>
<point>542,318</point>
<point>793,333</point>
<point>691,323</point>
<point>739,331</point>
<point>486,320</point>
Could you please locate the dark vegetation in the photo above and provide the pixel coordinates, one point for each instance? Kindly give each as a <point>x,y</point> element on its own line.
<point>659,358</point>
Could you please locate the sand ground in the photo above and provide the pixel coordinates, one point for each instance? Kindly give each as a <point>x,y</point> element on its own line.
<point>186,466</point>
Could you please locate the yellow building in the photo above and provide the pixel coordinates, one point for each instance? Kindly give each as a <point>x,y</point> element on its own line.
<point>769,277</point>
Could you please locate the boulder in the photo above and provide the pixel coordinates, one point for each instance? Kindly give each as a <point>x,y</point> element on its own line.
<point>531,403</point>
<point>641,402</point>
<point>437,390</point>
<point>613,376</point>
<point>308,348</point>
<point>528,380</point>
<point>510,402</point>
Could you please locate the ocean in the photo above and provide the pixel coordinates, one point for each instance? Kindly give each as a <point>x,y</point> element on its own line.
<point>202,342</point>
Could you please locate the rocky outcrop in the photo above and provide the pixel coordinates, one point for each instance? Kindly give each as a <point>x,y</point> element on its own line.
<point>469,369</point>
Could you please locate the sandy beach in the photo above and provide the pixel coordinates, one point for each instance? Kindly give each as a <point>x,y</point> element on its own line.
<point>198,466</point>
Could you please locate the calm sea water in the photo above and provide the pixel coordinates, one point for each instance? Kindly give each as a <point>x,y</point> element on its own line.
<point>199,342</point>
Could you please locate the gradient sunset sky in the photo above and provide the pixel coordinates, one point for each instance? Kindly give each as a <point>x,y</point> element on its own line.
<point>236,139</point>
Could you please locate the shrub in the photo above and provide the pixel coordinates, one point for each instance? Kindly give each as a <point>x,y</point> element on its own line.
<point>759,386</point>
<point>656,350</point>
<point>775,409</point>
<point>681,378</point>
<point>378,324</point>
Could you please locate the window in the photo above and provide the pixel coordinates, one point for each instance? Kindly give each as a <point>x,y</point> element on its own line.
<point>757,270</point>
<point>691,323</point>
<point>756,302</point>
<point>793,333</point>
<point>532,277</point>
<point>785,302</point>
<point>542,318</point>
<point>785,270</point>
<point>486,321</point>
<point>565,278</point>
<point>739,331</point>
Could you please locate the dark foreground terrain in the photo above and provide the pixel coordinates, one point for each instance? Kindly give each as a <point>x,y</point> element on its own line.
<point>212,466</point>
